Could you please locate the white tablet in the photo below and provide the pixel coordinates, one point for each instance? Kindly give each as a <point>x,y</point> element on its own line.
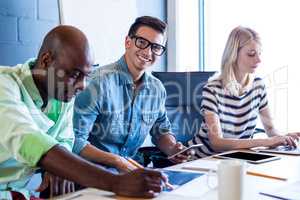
<point>250,157</point>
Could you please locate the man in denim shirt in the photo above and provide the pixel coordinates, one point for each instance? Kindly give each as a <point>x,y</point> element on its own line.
<point>123,102</point>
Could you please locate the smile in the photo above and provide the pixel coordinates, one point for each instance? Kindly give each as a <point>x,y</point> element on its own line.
<point>144,59</point>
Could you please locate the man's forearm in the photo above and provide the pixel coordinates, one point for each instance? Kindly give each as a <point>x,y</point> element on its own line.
<point>61,162</point>
<point>96,155</point>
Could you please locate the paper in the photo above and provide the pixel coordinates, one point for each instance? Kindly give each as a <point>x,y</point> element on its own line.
<point>197,188</point>
<point>88,194</point>
<point>202,165</point>
<point>288,192</point>
<point>94,194</point>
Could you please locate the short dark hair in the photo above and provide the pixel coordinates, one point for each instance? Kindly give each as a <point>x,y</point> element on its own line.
<point>149,21</point>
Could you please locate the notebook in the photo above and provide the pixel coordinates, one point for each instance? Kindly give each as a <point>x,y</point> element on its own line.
<point>179,178</point>
<point>288,192</point>
<point>283,150</point>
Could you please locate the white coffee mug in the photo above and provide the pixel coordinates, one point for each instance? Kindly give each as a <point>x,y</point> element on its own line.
<point>231,175</point>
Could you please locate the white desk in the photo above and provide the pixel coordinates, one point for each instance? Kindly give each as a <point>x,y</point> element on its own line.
<point>287,167</point>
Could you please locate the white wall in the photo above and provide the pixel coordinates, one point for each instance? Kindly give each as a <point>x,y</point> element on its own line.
<point>183,45</point>
<point>105,22</point>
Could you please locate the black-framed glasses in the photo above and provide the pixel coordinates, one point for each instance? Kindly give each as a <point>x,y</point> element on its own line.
<point>143,43</point>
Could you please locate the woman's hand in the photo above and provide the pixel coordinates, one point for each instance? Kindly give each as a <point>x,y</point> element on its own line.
<point>295,135</point>
<point>285,140</point>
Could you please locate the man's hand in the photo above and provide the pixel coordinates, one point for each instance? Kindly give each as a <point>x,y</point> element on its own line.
<point>140,183</point>
<point>168,144</point>
<point>56,185</point>
<point>180,158</point>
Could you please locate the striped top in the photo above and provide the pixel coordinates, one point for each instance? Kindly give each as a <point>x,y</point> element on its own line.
<point>237,114</point>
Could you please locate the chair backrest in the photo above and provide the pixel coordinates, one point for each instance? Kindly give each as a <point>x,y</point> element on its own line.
<point>184,94</point>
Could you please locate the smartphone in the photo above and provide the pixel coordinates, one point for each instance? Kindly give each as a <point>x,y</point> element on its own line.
<point>183,151</point>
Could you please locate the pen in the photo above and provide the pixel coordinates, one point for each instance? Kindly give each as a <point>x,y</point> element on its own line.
<point>248,172</point>
<point>134,163</point>
<point>199,169</point>
<point>266,176</point>
<point>139,166</point>
<point>74,197</point>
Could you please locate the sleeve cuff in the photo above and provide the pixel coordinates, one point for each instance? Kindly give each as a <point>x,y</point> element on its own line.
<point>79,145</point>
<point>34,146</point>
<point>67,144</point>
<point>162,132</point>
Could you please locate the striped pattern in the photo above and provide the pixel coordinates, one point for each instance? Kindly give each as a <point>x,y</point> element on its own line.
<point>238,115</point>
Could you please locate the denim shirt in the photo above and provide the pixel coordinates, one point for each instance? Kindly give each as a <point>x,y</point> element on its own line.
<point>114,118</point>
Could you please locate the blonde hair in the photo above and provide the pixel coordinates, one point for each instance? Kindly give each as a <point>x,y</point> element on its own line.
<point>238,38</point>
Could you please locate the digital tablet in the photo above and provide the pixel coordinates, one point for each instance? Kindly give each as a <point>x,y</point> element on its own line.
<point>251,157</point>
<point>179,178</point>
<point>186,150</point>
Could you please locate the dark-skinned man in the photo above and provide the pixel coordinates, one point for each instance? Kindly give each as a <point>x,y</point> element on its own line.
<point>36,107</point>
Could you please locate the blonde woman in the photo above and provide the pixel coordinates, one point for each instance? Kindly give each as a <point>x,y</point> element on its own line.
<point>233,100</point>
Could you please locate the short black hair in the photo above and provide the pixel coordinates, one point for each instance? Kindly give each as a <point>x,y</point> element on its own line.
<point>149,21</point>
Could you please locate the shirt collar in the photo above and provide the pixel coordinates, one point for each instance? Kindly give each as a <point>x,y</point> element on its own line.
<point>125,76</point>
<point>28,82</point>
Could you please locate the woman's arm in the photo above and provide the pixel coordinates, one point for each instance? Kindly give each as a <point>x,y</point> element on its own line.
<point>267,122</point>
<point>224,144</point>
<point>218,143</point>
<point>272,132</point>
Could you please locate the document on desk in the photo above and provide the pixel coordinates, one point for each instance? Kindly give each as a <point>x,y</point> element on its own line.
<point>290,191</point>
<point>94,194</point>
<point>88,194</point>
<point>202,165</point>
<point>179,178</point>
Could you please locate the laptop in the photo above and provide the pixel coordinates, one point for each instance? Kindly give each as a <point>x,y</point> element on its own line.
<point>283,150</point>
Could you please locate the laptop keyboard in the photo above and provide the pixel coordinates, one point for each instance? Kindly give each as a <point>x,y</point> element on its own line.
<point>284,149</point>
<point>288,148</point>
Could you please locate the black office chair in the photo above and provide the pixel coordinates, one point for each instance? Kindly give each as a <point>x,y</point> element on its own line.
<point>184,91</point>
